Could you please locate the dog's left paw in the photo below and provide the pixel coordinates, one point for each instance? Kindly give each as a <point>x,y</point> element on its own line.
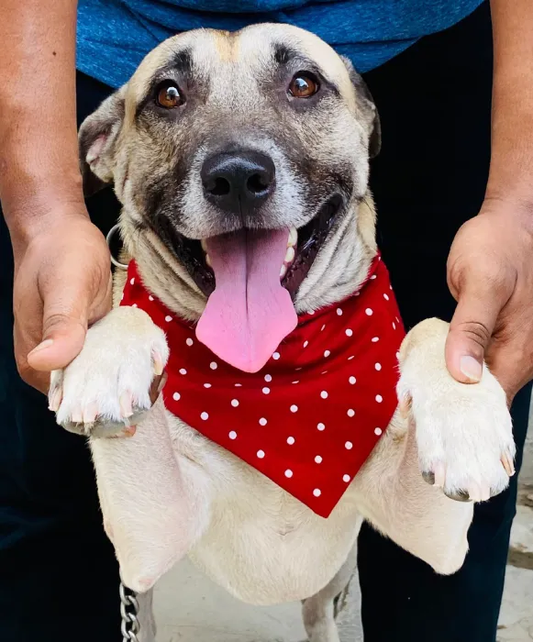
<point>463,431</point>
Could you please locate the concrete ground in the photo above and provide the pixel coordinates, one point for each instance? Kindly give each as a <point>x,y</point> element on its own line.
<point>190,608</point>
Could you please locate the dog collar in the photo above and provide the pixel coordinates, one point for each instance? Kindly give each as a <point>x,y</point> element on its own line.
<point>311,417</point>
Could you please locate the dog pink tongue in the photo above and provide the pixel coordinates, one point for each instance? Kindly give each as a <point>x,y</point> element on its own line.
<point>249,313</point>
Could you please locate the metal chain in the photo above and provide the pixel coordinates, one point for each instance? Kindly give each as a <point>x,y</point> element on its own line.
<point>129,612</point>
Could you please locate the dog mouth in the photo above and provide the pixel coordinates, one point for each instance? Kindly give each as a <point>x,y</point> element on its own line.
<point>251,278</point>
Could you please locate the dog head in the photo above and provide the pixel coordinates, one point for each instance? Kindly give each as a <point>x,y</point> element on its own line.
<point>238,158</point>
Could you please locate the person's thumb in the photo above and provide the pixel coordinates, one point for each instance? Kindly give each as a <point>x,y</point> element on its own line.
<point>65,318</point>
<point>470,333</point>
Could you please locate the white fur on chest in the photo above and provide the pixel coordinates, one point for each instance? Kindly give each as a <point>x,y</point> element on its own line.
<point>257,541</point>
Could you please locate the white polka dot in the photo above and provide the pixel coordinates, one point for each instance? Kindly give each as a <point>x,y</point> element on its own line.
<point>306,343</point>
<point>294,408</point>
<point>339,312</point>
<point>369,312</point>
<point>386,297</point>
<point>346,478</point>
<point>326,353</point>
<point>323,328</point>
<point>288,473</point>
<point>318,459</point>
<point>182,371</point>
<point>377,366</point>
<point>207,385</point>
<point>349,332</point>
<point>276,356</point>
<point>134,305</point>
<point>294,382</point>
<point>204,416</point>
<point>348,445</point>
<point>268,378</point>
<point>261,454</point>
<point>150,298</point>
<point>232,435</point>
<point>393,326</point>
<point>297,369</point>
<point>132,281</point>
<point>176,396</point>
<point>291,440</point>
<point>352,357</point>
<point>324,372</point>
<point>168,318</point>
<point>378,431</point>
<point>213,365</point>
<point>352,380</point>
<point>375,339</point>
<point>351,412</point>
<point>235,403</point>
<point>266,391</point>
<point>373,277</point>
<point>379,398</point>
<point>263,421</point>
<point>189,342</point>
<point>311,312</point>
<point>238,385</point>
<point>324,394</point>
<point>317,492</point>
<point>321,427</point>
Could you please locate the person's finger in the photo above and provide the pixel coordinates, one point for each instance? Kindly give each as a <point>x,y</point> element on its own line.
<point>65,319</point>
<point>470,333</point>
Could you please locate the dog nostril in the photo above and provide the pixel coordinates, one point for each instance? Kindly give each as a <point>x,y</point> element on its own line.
<point>220,187</point>
<point>257,184</point>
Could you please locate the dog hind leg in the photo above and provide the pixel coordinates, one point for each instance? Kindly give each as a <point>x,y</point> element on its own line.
<point>320,612</point>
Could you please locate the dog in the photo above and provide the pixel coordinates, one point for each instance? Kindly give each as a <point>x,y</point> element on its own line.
<point>241,161</point>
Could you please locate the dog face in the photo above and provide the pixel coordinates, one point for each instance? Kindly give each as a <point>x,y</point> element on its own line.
<point>241,153</point>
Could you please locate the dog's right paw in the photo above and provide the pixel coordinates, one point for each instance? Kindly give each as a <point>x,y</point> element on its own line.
<point>114,380</point>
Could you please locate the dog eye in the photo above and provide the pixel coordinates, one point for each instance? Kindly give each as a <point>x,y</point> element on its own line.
<point>168,95</point>
<point>303,85</point>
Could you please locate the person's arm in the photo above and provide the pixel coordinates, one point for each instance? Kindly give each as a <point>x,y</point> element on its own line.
<point>61,260</point>
<point>490,267</point>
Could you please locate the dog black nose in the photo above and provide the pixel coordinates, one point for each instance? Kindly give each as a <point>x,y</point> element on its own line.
<point>238,181</point>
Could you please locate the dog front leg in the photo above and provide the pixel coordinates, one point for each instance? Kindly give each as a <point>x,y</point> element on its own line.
<point>105,391</point>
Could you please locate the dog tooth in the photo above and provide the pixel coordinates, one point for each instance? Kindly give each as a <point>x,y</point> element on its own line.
<point>289,256</point>
<point>293,237</point>
<point>283,271</point>
<point>208,260</point>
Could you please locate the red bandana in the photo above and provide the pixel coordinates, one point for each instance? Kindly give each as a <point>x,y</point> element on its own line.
<point>311,417</point>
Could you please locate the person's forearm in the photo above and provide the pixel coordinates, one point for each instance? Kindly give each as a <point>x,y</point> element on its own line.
<point>39,170</point>
<point>511,172</point>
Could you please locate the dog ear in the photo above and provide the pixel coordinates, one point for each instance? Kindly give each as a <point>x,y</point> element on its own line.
<point>367,106</point>
<point>97,139</point>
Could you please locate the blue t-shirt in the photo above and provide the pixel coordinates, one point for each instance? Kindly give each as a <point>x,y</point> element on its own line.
<point>115,35</point>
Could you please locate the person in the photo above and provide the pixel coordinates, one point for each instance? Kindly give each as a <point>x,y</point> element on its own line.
<point>455,225</point>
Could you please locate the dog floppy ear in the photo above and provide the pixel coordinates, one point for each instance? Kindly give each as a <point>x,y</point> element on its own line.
<point>367,106</point>
<point>97,139</point>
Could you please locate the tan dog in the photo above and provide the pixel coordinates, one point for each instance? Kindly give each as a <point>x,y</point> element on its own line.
<point>281,99</point>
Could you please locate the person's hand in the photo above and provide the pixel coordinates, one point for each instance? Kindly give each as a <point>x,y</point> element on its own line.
<point>490,274</point>
<point>62,285</point>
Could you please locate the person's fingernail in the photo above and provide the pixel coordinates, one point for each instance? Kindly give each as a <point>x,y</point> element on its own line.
<point>471,368</point>
<point>42,346</point>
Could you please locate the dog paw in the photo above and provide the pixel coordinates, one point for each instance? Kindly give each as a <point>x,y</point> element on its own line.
<point>463,432</point>
<point>115,379</point>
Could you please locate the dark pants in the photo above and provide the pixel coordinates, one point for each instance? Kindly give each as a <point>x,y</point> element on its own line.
<point>58,575</point>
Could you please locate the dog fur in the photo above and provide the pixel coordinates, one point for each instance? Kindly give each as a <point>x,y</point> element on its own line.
<point>170,492</point>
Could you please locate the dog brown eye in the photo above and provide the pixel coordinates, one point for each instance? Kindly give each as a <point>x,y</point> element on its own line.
<point>303,86</point>
<point>169,96</point>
